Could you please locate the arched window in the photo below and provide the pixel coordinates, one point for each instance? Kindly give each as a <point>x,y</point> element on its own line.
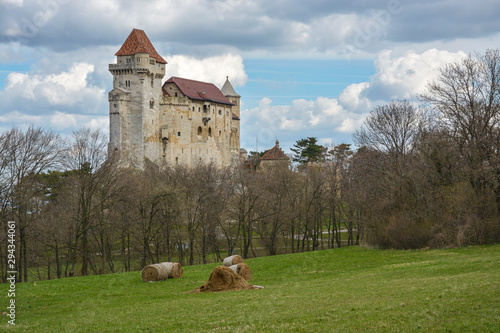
<point>210,131</point>
<point>151,103</point>
<point>199,130</point>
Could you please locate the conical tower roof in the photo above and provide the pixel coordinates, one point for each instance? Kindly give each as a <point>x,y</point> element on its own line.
<point>228,90</point>
<point>138,42</point>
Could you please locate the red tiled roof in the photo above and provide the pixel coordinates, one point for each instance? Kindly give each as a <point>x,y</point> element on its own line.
<point>275,153</point>
<point>138,42</point>
<point>198,90</point>
<point>235,117</point>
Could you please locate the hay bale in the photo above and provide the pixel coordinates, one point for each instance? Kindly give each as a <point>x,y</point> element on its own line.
<point>224,279</point>
<point>161,271</point>
<point>232,260</point>
<point>175,270</point>
<point>242,270</point>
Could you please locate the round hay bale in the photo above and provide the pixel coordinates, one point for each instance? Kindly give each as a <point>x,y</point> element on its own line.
<point>232,260</point>
<point>242,270</point>
<point>176,270</point>
<point>161,271</point>
<point>223,279</point>
<point>154,272</point>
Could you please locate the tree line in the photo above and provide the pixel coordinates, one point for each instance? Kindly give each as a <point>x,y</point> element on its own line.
<point>89,215</point>
<point>423,175</point>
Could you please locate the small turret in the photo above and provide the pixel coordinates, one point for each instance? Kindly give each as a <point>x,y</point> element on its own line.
<point>232,96</point>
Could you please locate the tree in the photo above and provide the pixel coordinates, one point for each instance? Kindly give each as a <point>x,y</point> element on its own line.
<point>467,97</point>
<point>308,150</point>
<point>23,156</point>
<point>383,169</point>
<point>91,173</point>
<point>390,128</point>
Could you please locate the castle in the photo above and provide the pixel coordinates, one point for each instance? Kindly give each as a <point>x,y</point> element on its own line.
<point>182,122</point>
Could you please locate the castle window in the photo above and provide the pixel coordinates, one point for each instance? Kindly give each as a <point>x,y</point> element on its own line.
<point>199,109</point>
<point>176,160</point>
<point>175,94</point>
<point>152,61</point>
<point>151,103</point>
<point>193,108</point>
<point>127,83</point>
<point>220,134</point>
<point>178,133</point>
<point>220,112</point>
<point>210,131</point>
<point>199,130</point>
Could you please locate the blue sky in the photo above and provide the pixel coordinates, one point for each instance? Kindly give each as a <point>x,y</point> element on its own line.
<point>303,68</point>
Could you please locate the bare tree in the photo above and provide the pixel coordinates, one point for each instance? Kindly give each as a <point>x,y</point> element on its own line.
<point>243,209</point>
<point>467,95</point>
<point>390,128</point>
<point>85,158</point>
<point>23,155</point>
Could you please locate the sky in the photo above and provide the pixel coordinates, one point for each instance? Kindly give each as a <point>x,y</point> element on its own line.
<point>303,68</point>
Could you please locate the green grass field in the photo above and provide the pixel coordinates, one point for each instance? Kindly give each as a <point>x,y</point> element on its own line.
<point>342,290</point>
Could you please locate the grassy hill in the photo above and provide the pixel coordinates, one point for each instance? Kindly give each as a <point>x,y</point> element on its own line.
<point>342,290</point>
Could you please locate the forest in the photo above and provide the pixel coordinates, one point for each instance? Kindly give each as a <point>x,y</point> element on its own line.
<point>421,175</point>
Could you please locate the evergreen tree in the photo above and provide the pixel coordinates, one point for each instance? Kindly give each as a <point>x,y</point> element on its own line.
<point>308,150</point>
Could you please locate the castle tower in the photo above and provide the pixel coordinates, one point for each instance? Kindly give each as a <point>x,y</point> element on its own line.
<point>234,98</point>
<point>134,102</point>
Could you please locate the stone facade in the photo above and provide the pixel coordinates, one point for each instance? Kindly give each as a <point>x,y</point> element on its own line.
<point>180,122</point>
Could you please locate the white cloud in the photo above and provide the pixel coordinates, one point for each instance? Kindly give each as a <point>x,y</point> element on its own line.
<point>320,117</point>
<point>60,121</point>
<point>352,98</point>
<point>401,77</point>
<point>18,117</point>
<point>212,69</point>
<point>63,121</point>
<point>14,3</point>
<point>65,88</point>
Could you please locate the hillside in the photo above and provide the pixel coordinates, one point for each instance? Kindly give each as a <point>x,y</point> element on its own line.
<point>346,290</point>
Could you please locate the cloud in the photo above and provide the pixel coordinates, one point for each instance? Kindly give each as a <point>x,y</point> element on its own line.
<point>65,100</point>
<point>401,77</point>
<point>396,78</point>
<point>322,117</point>
<point>258,26</point>
<point>14,3</point>
<point>65,88</point>
<point>61,121</point>
<point>211,69</point>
